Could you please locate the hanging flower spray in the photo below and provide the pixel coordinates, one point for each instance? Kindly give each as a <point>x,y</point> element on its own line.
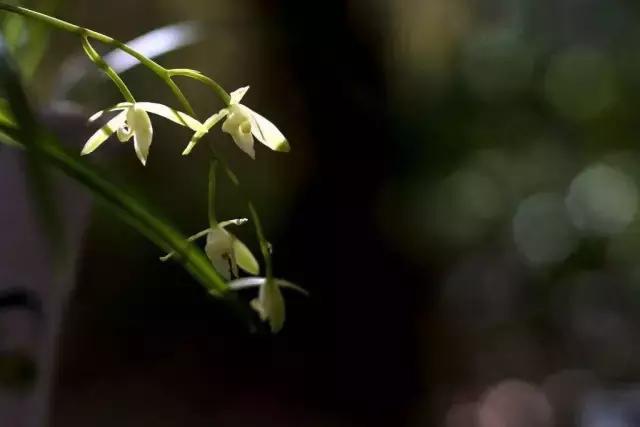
<point>228,257</point>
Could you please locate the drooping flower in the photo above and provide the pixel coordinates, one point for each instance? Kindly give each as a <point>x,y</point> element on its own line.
<point>225,251</point>
<point>133,121</point>
<point>269,304</point>
<point>243,124</point>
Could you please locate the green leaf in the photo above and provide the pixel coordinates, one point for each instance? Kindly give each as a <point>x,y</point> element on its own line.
<point>38,173</point>
<point>7,139</point>
<point>6,116</point>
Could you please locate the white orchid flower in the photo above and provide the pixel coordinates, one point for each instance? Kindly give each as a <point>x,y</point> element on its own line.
<point>243,124</point>
<point>269,304</point>
<point>133,121</point>
<point>225,251</point>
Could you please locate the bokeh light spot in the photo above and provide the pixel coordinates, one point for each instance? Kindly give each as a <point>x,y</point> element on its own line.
<point>463,205</point>
<point>602,200</point>
<point>580,83</point>
<point>542,230</point>
<point>497,64</point>
<point>515,403</point>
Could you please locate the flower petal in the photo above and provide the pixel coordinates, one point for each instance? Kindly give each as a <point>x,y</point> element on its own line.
<point>234,264</point>
<point>218,247</point>
<point>117,107</point>
<point>221,264</point>
<point>251,282</point>
<point>138,120</point>
<point>246,282</point>
<point>237,95</point>
<point>272,303</point>
<point>238,126</point>
<point>245,143</point>
<point>244,258</point>
<point>141,143</point>
<point>267,133</point>
<point>206,127</point>
<point>171,114</point>
<point>103,133</point>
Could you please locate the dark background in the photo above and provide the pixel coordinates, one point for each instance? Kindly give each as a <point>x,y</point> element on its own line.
<point>460,201</point>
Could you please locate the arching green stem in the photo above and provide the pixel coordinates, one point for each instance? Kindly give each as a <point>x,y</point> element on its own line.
<point>177,92</point>
<point>196,75</point>
<point>81,31</point>
<point>97,59</point>
<point>158,69</point>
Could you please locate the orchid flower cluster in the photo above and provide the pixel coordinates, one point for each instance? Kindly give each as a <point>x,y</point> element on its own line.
<point>241,122</point>
<point>131,120</point>
<point>226,252</point>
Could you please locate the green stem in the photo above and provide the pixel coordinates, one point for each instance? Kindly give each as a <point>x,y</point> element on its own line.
<point>97,59</point>
<point>81,31</point>
<point>179,95</point>
<point>158,69</point>
<point>193,74</point>
<point>265,247</point>
<point>213,169</point>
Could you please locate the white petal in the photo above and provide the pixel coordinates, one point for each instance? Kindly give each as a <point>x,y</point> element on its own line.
<point>169,113</point>
<point>234,264</point>
<point>221,264</point>
<point>251,282</point>
<point>246,282</point>
<point>236,116</point>
<point>267,133</point>
<point>237,95</point>
<point>272,303</point>
<point>219,241</point>
<point>138,120</point>
<point>256,304</point>
<point>141,144</point>
<point>206,127</point>
<point>245,143</point>
<point>118,107</point>
<point>103,133</point>
<point>238,126</point>
<point>244,258</point>
<point>218,247</point>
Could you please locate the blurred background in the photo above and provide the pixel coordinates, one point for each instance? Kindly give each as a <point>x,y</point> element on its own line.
<point>460,200</point>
